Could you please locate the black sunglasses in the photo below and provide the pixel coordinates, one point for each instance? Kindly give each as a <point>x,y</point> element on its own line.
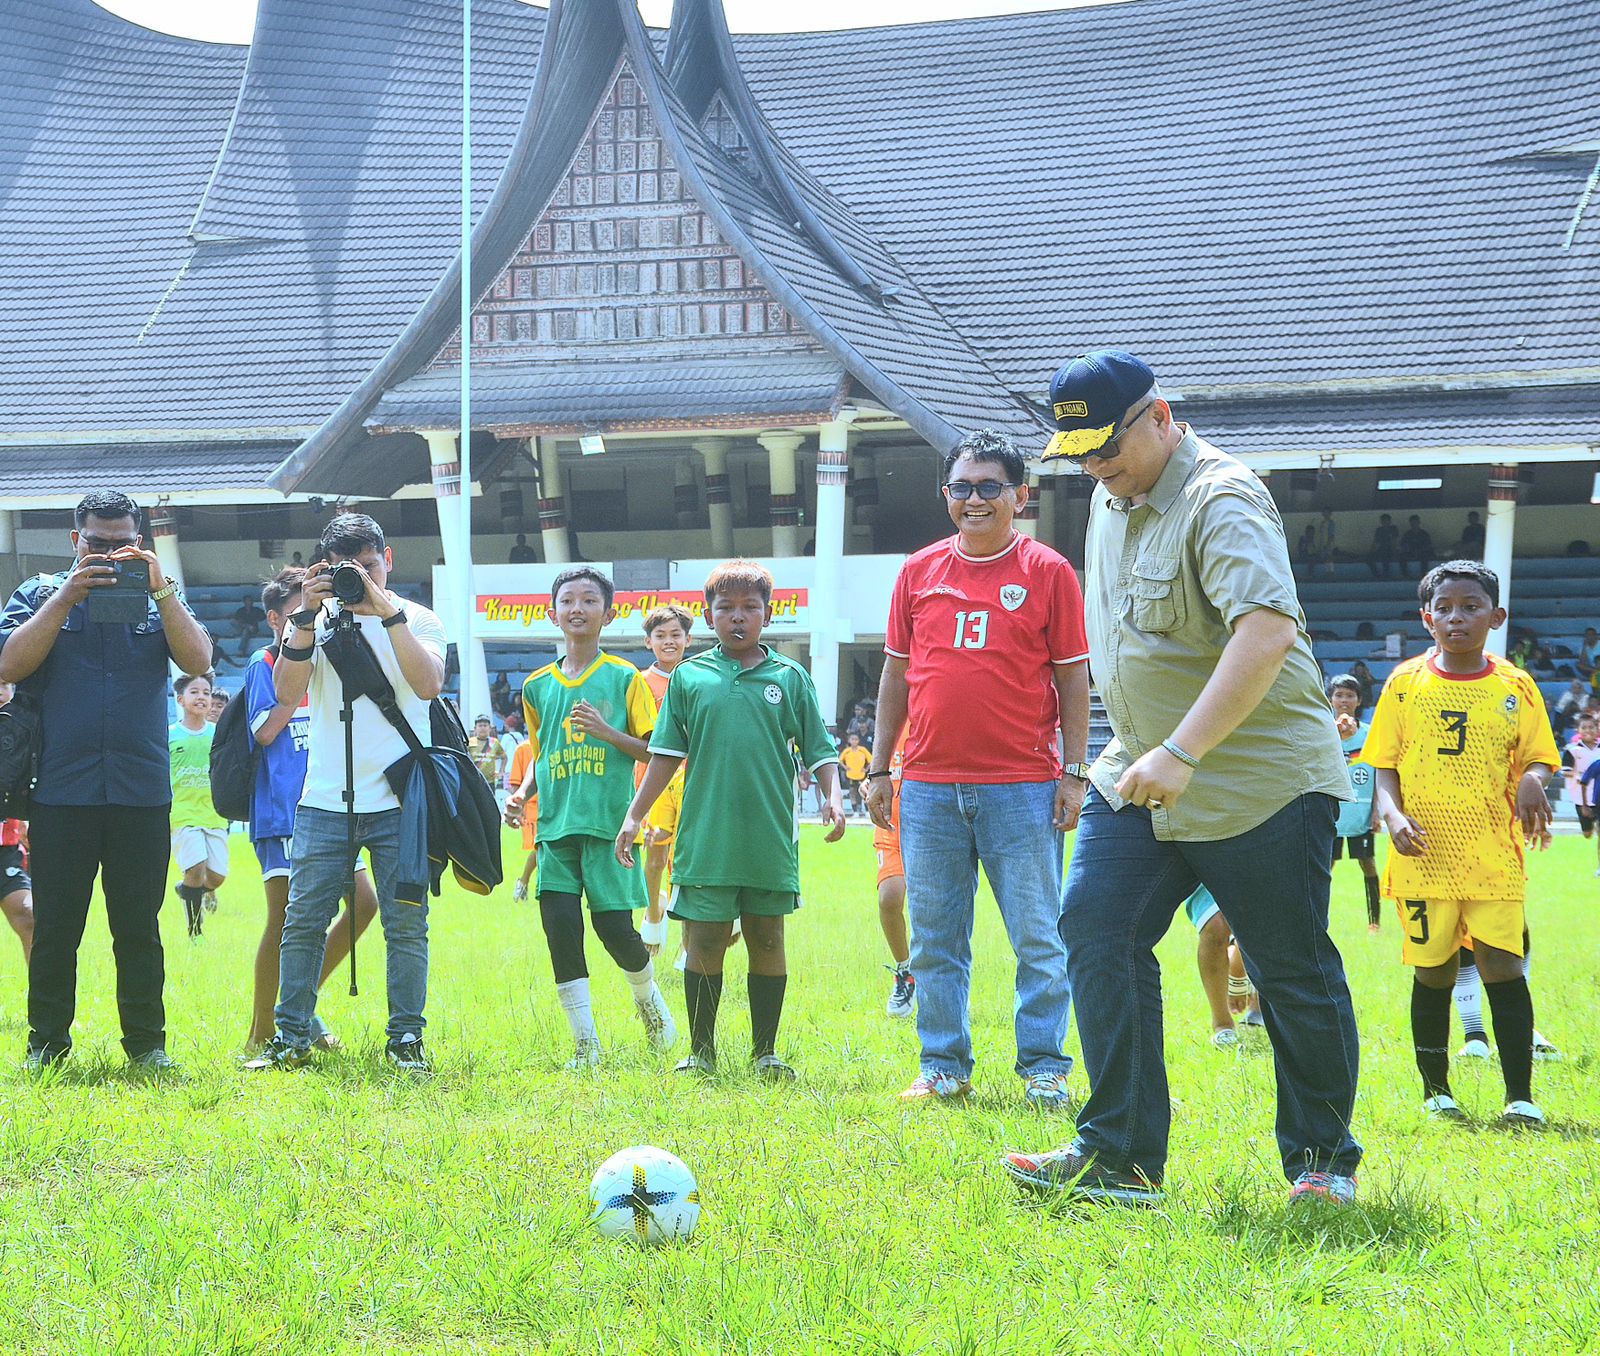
<point>1110,449</point>
<point>987,489</point>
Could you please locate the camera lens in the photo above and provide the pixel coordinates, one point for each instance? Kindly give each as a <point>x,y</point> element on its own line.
<point>349,585</point>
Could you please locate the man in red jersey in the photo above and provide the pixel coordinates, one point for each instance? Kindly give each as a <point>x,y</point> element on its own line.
<point>988,659</point>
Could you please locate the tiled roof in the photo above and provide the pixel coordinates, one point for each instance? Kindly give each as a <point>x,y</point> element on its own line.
<point>143,470</point>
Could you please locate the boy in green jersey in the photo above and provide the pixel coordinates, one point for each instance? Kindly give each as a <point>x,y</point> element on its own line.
<point>739,713</point>
<point>199,833</point>
<point>588,716</point>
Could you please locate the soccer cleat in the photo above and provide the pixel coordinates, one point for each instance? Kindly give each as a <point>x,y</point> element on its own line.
<point>1069,1172</point>
<point>697,1064</point>
<point>1477,1047</point>
<point>1522,1116</point>
<point>657,1019</point>
<point>208,901</point>
<point>1543,1050</point>
<point>156,1061</point>
<point>1253,1018</point>
<point>519,892</point>
<point>587,1054</point>
<point>937,1087</point>
<point>903,1001</point>
<point>40,1058</point>
<point>1332,1187</point>
<point>407,1055</point>
<point>1443,1107</point>
<point>1225,1039</point>
<point>1048,1092</point>
<point>279,1054</point>
<point>771,1069</point>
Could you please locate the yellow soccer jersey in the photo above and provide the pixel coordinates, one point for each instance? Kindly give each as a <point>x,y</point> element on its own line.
<point>1460,744</point>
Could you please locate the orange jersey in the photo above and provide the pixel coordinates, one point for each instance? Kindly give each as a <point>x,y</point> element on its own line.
<point>658,686</point>
<point>887,841</point>
<point>520,762</point>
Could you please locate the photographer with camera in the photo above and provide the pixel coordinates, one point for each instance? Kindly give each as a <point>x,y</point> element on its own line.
<point>90,646</point>
<point>344,594</point>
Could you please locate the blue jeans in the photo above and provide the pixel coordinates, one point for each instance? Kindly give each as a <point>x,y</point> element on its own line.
<point>319,874</point>
<point>1272,884</point>
<point>946,831</point>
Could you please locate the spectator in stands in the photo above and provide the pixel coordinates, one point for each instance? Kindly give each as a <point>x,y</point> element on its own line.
<point>1305,550</point>
<point>249,622</point>
<point>862,723</point>
<point>1416,544</point>
<point>522,553</point>
<point>1327,535</point>
<point>1363,675</point>
<point>1589,654</point>
<point>500,695</point>
<point>1384,538</point>
<point>1564,714</point>
<point>1522,649</point>
<point>1471,547</point>
<point>298,561</point>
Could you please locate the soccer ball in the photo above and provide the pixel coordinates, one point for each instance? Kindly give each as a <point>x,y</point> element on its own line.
<point>646,1195</point>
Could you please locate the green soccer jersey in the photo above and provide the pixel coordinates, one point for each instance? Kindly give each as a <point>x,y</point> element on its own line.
<point>740,730</point>
<point>585,785</point>
<point>191,778</point>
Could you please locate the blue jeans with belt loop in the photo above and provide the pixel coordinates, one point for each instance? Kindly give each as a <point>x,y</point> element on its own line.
<point>1123,887</point>
<point>946,831</point>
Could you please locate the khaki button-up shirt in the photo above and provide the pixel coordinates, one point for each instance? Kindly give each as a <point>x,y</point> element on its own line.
<point>1165,582</point>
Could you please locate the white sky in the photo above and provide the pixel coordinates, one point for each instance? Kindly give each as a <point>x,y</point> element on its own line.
<point>230,20</point>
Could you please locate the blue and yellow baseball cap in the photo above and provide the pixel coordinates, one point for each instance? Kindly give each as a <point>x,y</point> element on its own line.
<point>1089,396</point>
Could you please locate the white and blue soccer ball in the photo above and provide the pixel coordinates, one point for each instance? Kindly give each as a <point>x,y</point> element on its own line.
<point>646,1195</point>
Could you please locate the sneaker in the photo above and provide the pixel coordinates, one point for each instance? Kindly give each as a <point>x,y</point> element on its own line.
<point>407,1055</point>
<point>1543,1050</point>
<point>657,1019</point>
<point>156,1061</point>
<point>208,901</point>
<point>937,1087</point>
<point>327,1041</point>
<point>1443,1107</point>
<point>771,1069</point>
<point>279,1054</point>
<point>519,892</point>
<point>1333,1187</point>
<point>1225,1039</point>
<point>1477,1047</point>
<point>1522,1116</point>
<point>1253,1018</point>
<point>1069,1172</point>
<point>40,1058</point>
<point>903,1001</point>
<point>697,1064</point>
<point>587,1054</point>
<point>1047,1092</point>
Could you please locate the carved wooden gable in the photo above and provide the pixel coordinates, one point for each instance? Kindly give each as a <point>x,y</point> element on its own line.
<point>624,258</point>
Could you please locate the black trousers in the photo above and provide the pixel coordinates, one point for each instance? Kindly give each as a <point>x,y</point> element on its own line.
<point>129,847</point>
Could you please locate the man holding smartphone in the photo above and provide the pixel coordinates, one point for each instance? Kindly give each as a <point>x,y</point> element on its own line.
<point>103,799</point>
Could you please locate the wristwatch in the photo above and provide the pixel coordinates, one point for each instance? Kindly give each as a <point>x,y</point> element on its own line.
<point>398,619</point>
<point>1078,770</point>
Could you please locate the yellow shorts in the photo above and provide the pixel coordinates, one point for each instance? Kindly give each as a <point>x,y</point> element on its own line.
<point>1433,930</point>
<point>666,812</point>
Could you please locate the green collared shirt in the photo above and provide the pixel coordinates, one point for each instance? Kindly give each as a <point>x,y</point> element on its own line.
<point>1166,581</point>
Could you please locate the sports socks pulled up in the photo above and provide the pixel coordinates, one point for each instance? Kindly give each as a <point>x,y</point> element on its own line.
<point>702,994</point>
<point>766,1011</point>
<point>1430,1037</point>
<point>193,906</point>
<point>1374,900</point>
<point>1511,1009</point>
<point>1468,995</point>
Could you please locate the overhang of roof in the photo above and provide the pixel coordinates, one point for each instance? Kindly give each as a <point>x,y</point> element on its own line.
<point>46,473</point>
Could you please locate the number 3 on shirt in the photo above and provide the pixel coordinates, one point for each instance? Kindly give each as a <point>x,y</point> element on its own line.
<point>972,630</point>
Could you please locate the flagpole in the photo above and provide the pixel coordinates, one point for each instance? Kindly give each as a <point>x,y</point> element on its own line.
<point>466,650</point>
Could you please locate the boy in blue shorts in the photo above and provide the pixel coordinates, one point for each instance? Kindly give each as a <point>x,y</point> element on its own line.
<point>1358,818</point>
<point>588,717</point>
<point>739,713</point>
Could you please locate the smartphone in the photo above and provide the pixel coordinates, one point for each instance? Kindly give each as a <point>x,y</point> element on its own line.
<point>126,602</point>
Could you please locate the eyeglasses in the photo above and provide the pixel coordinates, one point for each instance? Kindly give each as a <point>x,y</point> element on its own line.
<point>986,489</point>
<point>1110,448</point>
<point>99,546</point>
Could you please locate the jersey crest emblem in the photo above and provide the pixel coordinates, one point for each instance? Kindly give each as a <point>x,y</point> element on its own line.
<point>773,693</point>
<point>1012,596</point>
<point>1511,704</point>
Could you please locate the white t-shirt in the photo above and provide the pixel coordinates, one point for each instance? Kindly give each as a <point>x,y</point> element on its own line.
<point>377,743</point>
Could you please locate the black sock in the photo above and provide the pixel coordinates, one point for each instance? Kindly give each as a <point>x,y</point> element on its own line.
<point>1511,1011</point>
<point>1430,1035</point>
<point>191,895</point>
<point>701,995</point>
<point>766,1010</point>
<point>1374,900</point>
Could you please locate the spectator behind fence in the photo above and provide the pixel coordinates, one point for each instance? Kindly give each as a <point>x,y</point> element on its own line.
<point>1384,538</point>
<point>1471,547</point>
<point>103,800</point>
<point>1416,544</point>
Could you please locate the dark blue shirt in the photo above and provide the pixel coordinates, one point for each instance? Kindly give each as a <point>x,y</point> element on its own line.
<point>102,691</point>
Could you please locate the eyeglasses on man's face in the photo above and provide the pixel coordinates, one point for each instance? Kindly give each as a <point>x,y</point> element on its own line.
<point>1112,447</point>
<point>985,489</point>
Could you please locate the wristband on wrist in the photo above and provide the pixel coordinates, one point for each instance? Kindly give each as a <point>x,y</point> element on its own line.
<point>1179,754</point>
<point>299,652</point>
<point>884,773</point>
<point>167,592</point>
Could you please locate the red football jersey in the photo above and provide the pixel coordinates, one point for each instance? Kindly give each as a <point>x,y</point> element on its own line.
<point>981,635</point>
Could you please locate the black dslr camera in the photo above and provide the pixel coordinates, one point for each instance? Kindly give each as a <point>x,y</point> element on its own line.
<point>349,583</point>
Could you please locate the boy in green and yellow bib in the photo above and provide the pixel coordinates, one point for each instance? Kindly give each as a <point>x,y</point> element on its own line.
<point>740,713</point>
<point>589,716</point>
<point>199,833</point>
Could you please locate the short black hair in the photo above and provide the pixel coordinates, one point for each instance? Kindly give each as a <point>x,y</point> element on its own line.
<point>180,684</point>
<point>1348,682</point>
<point>349,534</point>
<point>104,504</point>
<point>1474,571</point>
<point>607,589</point>
<point>282,586</point>
<point>987,445</point>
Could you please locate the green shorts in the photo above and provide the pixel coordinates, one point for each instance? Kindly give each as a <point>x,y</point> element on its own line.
<point>725,903</point>
<point>581,865</point>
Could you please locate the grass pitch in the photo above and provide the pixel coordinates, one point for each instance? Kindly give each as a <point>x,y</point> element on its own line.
<point>347,1209</point>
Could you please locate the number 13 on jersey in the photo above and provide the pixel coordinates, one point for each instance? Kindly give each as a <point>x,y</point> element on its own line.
<point>972,630</point>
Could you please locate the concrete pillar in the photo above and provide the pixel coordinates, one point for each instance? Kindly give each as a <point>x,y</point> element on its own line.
<point>719,498</point>
<point>1027,520</point>
<point>552,504</point>
<point>1076,514</point>
<point>784,499</point>
<point>456,611</point>
<point>685,497</point>
<point>833,471</point>
<point>1045,489</point>
<point>1499,534</point>
<point>164,542</point>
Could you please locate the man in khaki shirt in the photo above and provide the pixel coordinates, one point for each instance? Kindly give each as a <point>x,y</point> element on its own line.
<point>1225,772</point>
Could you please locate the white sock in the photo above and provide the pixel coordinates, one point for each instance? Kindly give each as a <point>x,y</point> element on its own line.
<point>574,996</point>
<point>643,982</point>
<point>1527,965</point>
<point>1469,1000</point>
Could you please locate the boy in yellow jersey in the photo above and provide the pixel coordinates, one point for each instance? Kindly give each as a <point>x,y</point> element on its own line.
<point>855,758</point>
<point>1463,749</point>
<point>666,632</point>
<point>588,716</point>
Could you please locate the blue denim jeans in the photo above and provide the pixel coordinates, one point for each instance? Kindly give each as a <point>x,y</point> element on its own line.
<point>1123,887</point>
<point>319,874</point>
<point>946,831</point>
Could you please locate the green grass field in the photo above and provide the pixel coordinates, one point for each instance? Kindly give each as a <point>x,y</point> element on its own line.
<point>347,1209</point>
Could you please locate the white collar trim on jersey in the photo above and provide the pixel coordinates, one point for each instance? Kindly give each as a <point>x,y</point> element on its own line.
<point>1016,540</point>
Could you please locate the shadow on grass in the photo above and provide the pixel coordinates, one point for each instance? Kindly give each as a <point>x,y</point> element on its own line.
<point>1401,1219</point>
